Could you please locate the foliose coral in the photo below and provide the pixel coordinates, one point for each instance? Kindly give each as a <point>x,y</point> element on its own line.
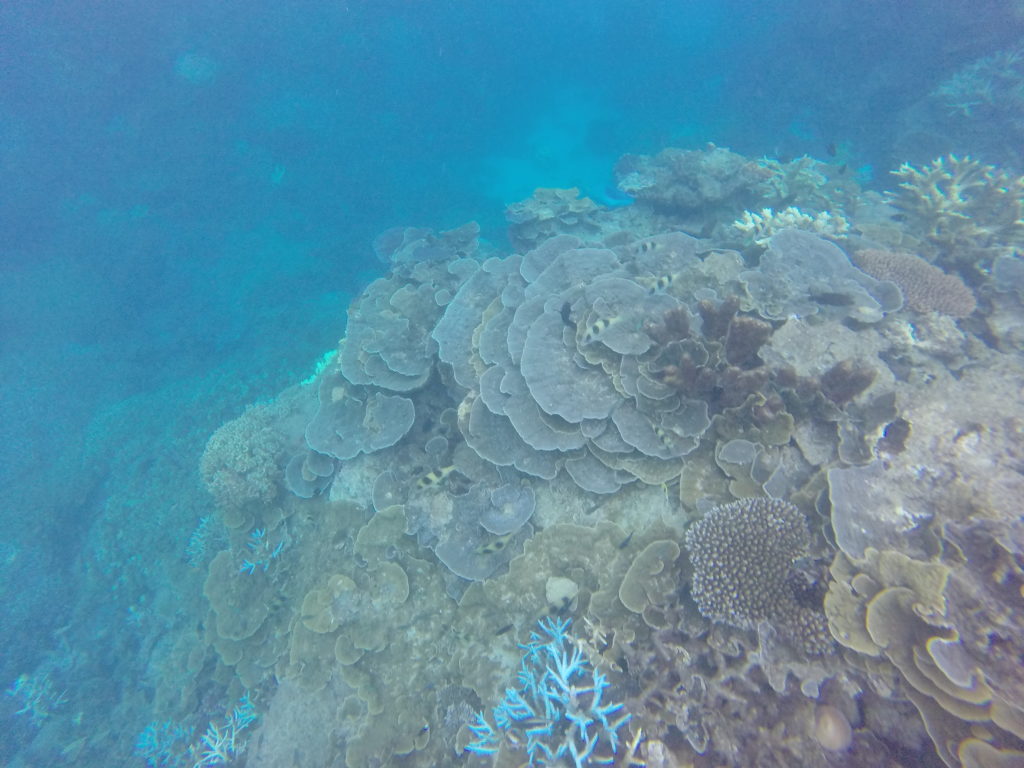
<point>550,212</point>
<point>927,581</point>
<point>685,180</point>
<point>804,274</point>
<point>742,556</point>
<point>557,712</point>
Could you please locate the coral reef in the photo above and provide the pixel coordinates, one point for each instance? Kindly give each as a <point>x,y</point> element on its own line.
<point>602,428</point>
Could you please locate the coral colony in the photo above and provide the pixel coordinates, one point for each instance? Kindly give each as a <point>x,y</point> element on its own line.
<point>262,552</point>
<point>38,696</point>
<point>169,745</point>
<point>557,710</point>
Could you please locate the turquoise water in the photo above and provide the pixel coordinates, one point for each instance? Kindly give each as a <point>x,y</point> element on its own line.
<point>216,517</point>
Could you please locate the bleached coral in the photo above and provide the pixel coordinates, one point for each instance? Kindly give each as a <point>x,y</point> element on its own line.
<point>759,227</point>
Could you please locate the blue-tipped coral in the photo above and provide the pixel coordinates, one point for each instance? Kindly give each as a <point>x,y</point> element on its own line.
<point>167,744</point>
<point>556,714</point>
<point>39,698</point>
<point>263,552</point>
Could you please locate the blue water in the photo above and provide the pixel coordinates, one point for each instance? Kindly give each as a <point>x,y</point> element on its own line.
<point>189,197</point>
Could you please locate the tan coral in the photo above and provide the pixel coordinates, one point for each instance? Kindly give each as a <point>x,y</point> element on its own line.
<point>925,287</point>
<point>961,207</point>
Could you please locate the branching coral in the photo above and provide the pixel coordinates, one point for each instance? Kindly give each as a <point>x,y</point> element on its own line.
<point>759,227</point>
<point>961,207</point>
<point>558,711</point>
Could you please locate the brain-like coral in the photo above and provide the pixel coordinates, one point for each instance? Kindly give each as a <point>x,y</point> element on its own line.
<point>742,556</point>
<point>925,287</point>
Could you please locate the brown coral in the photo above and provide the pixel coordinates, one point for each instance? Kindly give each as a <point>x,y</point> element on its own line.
<point>742,556</point>
<point>925,287</point>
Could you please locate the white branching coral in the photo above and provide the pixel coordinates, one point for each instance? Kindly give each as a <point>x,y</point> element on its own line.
<point>759,227</point>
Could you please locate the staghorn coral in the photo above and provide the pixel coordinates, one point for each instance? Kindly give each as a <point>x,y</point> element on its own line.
<point>742,556</point>
<point>963,209</point>
<point>925,287</point>
<point>559,709</point>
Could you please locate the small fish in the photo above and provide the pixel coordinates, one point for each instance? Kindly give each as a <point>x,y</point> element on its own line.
<point>566,313</point>
<point>503,630</point>
<point>598,327</point>
<point>831,149</point>
<point>435,477</point>
<point>842,169</point>
<point>646,246</point>
<point>662,283</point>
<point>665,437</point>
<point>625,542</point>
<point>494,545</point>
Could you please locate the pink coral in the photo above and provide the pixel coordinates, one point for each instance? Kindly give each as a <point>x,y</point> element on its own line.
<point>925,287</point>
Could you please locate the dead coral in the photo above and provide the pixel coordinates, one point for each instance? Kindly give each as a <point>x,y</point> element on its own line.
<point>742,556</point>
<point>925,287</point>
